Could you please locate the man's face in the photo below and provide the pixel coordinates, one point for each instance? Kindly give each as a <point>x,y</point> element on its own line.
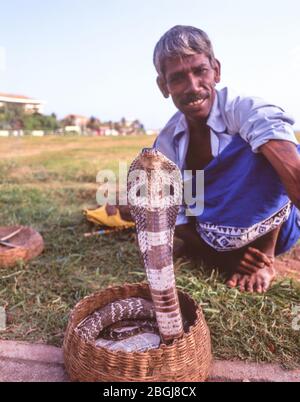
<point>191,83</point>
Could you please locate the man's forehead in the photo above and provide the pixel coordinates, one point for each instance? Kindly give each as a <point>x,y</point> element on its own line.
<point>178,63</point>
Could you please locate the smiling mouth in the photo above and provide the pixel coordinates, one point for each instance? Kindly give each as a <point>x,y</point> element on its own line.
<point>196,103</point>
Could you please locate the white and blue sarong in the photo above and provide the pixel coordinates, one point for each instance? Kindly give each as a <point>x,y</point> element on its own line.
<point>243,200</point>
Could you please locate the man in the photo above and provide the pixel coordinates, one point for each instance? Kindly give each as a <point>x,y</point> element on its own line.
<point>248,151</point>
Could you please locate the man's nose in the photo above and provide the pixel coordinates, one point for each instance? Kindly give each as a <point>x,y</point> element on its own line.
<point>193,83</point>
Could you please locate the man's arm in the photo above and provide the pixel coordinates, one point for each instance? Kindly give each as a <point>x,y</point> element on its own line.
<point>285,159</point>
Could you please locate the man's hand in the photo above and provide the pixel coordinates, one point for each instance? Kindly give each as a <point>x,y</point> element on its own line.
<point>124,211</point>
<point>252,261</point>
<point>285,159</point>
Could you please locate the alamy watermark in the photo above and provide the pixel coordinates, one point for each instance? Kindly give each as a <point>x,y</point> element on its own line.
<point>296,319</point>
<point>158,188</point>
<point>2,319</point>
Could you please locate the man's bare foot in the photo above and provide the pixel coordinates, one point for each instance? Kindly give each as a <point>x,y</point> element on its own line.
<point>258,282</point>
<point>254,272</point>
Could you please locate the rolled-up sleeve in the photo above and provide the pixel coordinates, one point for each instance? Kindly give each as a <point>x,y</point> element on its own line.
<point>258,122</point>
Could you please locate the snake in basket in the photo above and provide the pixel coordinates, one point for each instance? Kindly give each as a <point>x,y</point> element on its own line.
<point>154,196</point>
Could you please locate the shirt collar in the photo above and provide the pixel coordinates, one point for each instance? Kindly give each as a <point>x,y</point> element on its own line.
<point>181,125</point>
<point>215,120</point>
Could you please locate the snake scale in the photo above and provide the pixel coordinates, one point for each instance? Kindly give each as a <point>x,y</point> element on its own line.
<point>154,195</point>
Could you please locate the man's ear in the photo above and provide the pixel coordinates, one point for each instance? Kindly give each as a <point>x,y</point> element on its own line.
<point>217,71</point>
<point>162,86</point>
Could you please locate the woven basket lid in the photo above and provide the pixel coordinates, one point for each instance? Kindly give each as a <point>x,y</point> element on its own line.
<point>27,241</point>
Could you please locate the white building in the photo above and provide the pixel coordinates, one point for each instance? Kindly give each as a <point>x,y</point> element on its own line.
<point>29,105</point>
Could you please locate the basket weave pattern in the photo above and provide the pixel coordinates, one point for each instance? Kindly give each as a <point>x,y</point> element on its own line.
<point>30,244</point>
<point>186,359</point>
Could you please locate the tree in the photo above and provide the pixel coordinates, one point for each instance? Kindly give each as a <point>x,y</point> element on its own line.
<point>38,121</point>
<point>69,120</point>
<point>93,124</point>
<point>11,116</point>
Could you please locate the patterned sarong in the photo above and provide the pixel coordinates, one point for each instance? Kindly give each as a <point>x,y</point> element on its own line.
<point>243,200</point>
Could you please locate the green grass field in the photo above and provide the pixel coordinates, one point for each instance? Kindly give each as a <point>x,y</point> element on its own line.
<point>46,183</point>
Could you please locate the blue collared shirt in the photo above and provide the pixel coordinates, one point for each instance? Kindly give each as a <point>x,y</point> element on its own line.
<point>254,119</point>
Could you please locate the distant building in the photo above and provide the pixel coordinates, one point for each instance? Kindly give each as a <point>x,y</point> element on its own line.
<point>29,105</point>
<point>151,132</point>
<point>38,133</point>
<point>110,131</point>
<point>73,129</point>
<point>4,133</point>
<point>76,120</point>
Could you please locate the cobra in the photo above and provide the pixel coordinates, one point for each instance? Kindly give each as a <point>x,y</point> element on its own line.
<point>154,196</point>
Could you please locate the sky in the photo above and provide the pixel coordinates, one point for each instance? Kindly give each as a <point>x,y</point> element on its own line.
<point>94,57</point>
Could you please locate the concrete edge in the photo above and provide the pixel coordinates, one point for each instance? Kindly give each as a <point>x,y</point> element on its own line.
<point>239,371</point>
<point>222,371</point>
<point>32,352</point>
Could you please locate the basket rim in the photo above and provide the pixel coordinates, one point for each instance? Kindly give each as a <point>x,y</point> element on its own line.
<point>163,347</point>
<point>32,232</point>
<point>29,244</point>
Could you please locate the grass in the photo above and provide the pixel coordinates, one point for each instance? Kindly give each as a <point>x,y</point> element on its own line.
<point>46,182</point>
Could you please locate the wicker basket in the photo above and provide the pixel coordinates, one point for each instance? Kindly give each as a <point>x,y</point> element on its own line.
<point>186,359</point>
<point>30,244</point>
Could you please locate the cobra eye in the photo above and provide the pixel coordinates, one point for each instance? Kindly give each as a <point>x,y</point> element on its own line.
<point>168,189</point>
<point>141,192</point>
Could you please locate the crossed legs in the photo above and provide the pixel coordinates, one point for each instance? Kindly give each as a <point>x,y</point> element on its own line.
<point>250,268</point>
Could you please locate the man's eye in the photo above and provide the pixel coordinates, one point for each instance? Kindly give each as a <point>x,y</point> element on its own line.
<point>175,78</point>
<point>201,71</point>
